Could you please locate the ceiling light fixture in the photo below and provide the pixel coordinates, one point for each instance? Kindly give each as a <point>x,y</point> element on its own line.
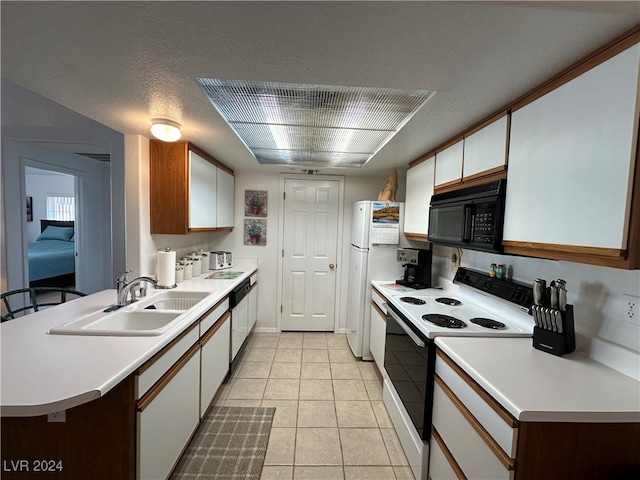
<point>313,125</point>
<point>165,130</point>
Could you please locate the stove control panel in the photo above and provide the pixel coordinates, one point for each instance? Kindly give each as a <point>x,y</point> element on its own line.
<point>514,292</point>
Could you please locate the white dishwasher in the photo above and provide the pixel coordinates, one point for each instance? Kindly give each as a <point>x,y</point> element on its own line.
<point>239,305</point>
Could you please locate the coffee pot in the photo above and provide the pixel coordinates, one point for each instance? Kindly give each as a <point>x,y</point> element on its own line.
<point>417,267</point>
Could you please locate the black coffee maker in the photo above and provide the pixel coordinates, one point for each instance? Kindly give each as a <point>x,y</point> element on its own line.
<point>417,267</point>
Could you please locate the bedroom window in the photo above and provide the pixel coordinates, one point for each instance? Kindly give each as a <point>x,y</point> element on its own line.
<point>61,207</point>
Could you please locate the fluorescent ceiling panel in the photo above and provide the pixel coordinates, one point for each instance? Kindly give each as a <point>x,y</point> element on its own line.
<point>315,125</point>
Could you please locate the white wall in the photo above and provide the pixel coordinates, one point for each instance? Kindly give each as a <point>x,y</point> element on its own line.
<point>38,186</point>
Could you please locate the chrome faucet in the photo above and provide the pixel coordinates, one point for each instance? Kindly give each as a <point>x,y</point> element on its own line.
<point>127,290</point>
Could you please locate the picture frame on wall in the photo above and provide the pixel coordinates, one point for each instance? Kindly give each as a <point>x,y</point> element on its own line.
<point>29,209</point>
<point>255,232</point>
<point>255,203</point>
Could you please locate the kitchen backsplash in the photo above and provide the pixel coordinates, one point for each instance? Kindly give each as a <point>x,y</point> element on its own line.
<point>600,296</point>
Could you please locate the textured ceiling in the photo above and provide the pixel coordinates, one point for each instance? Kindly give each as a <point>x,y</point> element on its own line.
<point>123,63</point>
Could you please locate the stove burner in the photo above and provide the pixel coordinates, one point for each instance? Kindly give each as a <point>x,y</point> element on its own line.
<point>448,301</point>
<point>445,321</point>
<point>488,323</point>
<point>413,300</point>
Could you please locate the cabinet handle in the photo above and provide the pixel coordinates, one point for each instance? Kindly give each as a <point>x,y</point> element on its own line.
<point>332,266</point>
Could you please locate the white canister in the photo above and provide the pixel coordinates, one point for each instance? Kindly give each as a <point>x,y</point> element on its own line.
<point>197,264</point>
<point>188,268</point>
<point>179,273</point>
<point>204,256</point>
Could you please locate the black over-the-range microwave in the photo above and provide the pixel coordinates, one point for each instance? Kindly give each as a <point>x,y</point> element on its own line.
<point>470,217</point>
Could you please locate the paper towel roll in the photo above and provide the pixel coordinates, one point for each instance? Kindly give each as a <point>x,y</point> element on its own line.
<point>166,269</point>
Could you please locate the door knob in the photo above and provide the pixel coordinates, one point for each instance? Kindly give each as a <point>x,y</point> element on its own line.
<point>332,266</point>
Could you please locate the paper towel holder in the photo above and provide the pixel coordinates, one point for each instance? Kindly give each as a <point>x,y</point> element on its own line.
<point>165,287</point>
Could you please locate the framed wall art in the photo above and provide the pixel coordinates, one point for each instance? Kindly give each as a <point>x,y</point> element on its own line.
<point>255,232</point>
<point>255,203</point>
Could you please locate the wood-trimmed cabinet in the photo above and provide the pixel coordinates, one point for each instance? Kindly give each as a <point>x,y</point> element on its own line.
<point>478,155</point>
<point>190,191</point>
<point>569,151</point>
<point>474,436</point>
<point>141,427</point>
<point>486,148</point>
<point>378,327</point>
<point>449,163</point>
<point>571,167</point>
<point>420,183</point>
<point>170,411</point>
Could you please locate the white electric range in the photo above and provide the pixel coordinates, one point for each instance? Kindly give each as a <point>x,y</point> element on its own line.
<point>477,305</point>
<point>462,313</point>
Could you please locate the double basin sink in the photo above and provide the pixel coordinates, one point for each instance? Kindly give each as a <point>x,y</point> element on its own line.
<point>147,317</point>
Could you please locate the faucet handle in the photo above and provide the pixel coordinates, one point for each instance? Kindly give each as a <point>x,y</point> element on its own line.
<point>123,278</point>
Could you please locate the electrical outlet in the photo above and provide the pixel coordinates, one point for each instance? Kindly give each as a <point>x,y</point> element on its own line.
<point>57,416</point>
<point>631,308</point>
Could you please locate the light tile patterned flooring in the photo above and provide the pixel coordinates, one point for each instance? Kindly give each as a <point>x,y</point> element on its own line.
<point>330,421</point>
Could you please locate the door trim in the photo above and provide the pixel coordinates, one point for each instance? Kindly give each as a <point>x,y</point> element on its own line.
<point>339,250</point>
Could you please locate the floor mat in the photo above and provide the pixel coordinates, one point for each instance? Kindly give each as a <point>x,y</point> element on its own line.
<point>230,443</point>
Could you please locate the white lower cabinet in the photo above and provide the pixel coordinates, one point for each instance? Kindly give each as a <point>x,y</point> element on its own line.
<point>470,450</point>
<point>378,328</point>
<point>473,437</point>
<point>239,326</point>
<point>214,360</point>
<point>167,417</point>
<point>252,307</point>
<point>175,388</point>
<point>440,468</point>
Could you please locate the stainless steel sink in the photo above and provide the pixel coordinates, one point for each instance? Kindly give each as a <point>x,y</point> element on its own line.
<point>151,316</point>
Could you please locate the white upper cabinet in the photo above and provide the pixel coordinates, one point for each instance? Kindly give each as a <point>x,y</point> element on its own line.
<point>449,165</point>
<point>571,159</point>
<point>420,182</point>
<point>485,151</point>
<point>225,192</point>
<point>203,177</point>
<point>190,191</point>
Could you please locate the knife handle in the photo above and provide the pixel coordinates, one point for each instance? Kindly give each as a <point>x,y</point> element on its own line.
<point>559,319</point>
<point>554,295</point>
<point>562,298</point>
<point>539,291</point>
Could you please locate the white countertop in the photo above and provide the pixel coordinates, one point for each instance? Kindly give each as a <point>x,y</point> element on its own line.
<point>42,373</point>
<point>390,287</point>
<point>535,386</point>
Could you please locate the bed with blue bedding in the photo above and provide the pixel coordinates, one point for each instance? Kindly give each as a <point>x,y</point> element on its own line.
<point>52,255</point>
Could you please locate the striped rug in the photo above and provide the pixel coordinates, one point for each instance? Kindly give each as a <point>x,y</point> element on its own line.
<point>230,443</point>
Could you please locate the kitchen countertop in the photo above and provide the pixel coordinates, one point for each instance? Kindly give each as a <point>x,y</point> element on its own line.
<point>390,287</point>
<point>535,386</point>
<point>42,373</point>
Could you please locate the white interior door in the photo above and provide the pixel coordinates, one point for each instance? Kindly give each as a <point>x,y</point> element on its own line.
<point>310,244</point>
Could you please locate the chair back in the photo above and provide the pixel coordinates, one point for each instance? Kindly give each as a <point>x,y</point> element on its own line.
<point>25,300</point>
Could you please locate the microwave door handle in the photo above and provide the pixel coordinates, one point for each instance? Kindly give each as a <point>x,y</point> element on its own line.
<point>468,222</point>
<point>404,327</point>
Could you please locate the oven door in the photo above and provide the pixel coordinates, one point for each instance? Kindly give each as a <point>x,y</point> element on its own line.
<point>409,360</point>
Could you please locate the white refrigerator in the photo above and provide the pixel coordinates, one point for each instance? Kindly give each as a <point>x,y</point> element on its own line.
<point>376,232</point>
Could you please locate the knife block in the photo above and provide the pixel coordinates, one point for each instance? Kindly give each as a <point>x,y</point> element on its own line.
<point>557,343</point>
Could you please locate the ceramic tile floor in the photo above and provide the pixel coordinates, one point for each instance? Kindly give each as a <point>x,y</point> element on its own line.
<point>330,421</point>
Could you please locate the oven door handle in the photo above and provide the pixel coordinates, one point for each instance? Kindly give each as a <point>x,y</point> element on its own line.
<point>404,327</point>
